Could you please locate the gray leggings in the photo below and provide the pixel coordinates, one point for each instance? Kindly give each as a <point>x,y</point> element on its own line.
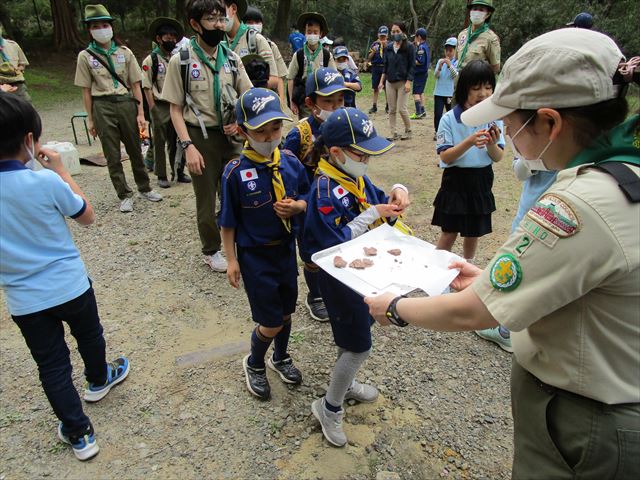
<point>343,375</point>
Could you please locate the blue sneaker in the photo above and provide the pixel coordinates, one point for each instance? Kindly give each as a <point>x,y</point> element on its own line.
<point>117,371</point>
<point>84,445</point>
<point>497,336</point>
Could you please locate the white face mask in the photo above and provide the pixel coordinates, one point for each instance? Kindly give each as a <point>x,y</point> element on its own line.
<point>102,35</point>
<point>477,17</point>
<point>32,163</point>
<point>256,26</point>
<point>265,149</point>
<point>312,39</point>
<point>323,114</point>
<point>535,164</point>
<point>342,65</point>
<point>351,167</point>
<point>228,24</point>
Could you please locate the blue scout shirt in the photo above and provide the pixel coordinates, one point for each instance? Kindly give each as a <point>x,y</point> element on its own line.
<point>330,208</point>
<point>350,96</point>
<point>293,144</point>
<point>452,131</point>
<point>422,58</point>
<point>248,198</point>
<point>378,54</point>
<point>444,82</point>
<point>533,188</point>
<point>40,266</point>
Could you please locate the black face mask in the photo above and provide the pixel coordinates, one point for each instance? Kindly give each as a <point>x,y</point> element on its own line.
<point>169,46</point>
<point>211,37</point>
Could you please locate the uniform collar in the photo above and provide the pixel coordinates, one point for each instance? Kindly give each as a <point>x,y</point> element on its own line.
<point>457,111</point>
<point>11,165</point>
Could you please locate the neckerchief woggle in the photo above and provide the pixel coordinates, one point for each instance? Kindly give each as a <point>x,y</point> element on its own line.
<point>470,38</point>
<point>276,178</point>
<point>221,58</point>
<point>107,53</point>
<point>356,188</point>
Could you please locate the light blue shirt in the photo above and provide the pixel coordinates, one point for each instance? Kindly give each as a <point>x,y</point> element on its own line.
<point>40,266</point>
<point>444,82</point>
<point>452,131</point>
<point>532,190</point>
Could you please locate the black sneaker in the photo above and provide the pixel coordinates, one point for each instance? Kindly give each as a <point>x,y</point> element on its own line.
<point>317,309</point>
<point>386,109</point>
<point>373,109</point>
<point>183,178</point>
<point>286,369</point>
<point>257,382</point>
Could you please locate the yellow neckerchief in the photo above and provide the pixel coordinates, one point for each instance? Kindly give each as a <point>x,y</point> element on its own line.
<point>276,178</point>
<point>356,188</point>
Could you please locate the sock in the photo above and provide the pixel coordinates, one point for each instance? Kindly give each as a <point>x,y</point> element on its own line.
<point>311,277</point>
<point>344,372</point>
<point>421,109</point>
<point>417,102</point>
<point>375,105</point>
<point>331,408</point>
<point>259,346</point>
<point>281,341</point>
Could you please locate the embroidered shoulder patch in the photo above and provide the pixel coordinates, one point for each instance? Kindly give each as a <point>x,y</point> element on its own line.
<point>540,233</point>
<point>556,215</point>
<point>505,273</point>
<point>339,192</point>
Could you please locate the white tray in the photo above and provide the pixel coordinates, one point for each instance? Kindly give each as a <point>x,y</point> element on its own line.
<point>419,266</point>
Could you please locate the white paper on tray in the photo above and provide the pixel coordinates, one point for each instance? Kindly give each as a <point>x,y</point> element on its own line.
<point>419,265</point>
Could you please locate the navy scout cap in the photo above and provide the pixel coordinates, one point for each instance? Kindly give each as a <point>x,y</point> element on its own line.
<point>421,32</point>
<point>324,82</point>
<point>258,106</point>
<point>383,30</point>
<point>350,127</point>
<point>582,20</point>
<point>340,52</point>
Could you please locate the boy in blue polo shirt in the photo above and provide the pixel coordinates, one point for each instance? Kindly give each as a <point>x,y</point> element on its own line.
<point>262,193</point>
<point>421,73</point>
<point>325,90</point>
<point>42,275</point>
<point>351,78</point>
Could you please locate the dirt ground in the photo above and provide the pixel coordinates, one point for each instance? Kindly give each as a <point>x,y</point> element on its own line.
<point>184,411</point>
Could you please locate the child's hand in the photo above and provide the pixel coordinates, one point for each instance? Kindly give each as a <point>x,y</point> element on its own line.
<point>400,198</point>
<point>388,210</point>
<point>479,139</point>
<point>51,160</point>
<point>494,134</point>
<point>288,207</point>
<point>233,273</point>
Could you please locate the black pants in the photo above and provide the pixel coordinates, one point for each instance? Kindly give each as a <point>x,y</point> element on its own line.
<point>44,333</point>
<point>440,104</point>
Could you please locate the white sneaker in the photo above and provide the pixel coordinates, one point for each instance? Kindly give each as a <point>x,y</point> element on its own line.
<point>330,422</point>
<point>216,262</point>
<point>361,392</point>
<point>126,205</point>
<point>151,195</point>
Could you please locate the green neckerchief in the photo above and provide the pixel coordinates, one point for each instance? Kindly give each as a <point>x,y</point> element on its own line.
<point>157,50</point>
<point>470,38</point>
<point>221,58</point>
<point>5,58</point>
<point>241,31</point>
<point>622,142</point>
<point>311,57</point>
<point>107,53</point>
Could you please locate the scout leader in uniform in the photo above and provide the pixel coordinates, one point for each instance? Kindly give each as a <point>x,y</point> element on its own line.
<point>567,281</point>
<point>12,64</point>
<point>478,41</point>
<point>199,82</point>
<point>164,32</point>
<point>110,79</point>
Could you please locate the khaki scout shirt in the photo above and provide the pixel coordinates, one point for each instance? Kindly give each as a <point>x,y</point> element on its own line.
<point>575,312</point>
<point>484,47</point>
<point>317,63</point>
<point>91,74</point>
<point>201,86</point>
<point>281,66</point>
<point>263,47</point>
<point>147,74</point>
<point>16,57</point>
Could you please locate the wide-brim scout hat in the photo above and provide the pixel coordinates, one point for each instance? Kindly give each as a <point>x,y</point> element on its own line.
<point>315,16</point>
<point>533,78</point>
<point>258,106</point>
<point>582,20</point>
<point>482,3</point>
<point>8,73</point>
<point>242,6</point>
<point>96,13</point>
<point>161,21</point>
<point>324,82</point>
<point>350,127</point>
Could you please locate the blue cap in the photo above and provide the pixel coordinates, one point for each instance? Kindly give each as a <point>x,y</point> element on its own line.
<point>325,82</point>
<point>258,106</point>
<point>451,42</point>
<point>383,30</point>
<point>340,52</point>
<point>422,32</point>
<point>582,20</point>
<point>350,127</point>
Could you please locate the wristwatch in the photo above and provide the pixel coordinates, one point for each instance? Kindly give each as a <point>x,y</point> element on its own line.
<point>392,313</point>
<point>185,144</point>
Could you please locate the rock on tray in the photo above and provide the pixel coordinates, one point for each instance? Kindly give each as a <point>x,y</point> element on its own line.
<point>370,251</point>
<point>339,262</point>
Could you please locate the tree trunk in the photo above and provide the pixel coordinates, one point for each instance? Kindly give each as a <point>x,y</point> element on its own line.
<point>65,32</point>
<point>5,20</point>
<point>181,14</point>
<point>414,15</point>
<point>162,8</point>
<point>281,27</point>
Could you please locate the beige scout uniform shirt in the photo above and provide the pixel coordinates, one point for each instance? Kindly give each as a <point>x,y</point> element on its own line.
<point>317,63</point>
<point>91,74</point>
<point>201,86</point>
<point>16,57</point>
<point>263,47</point>
<point>575,315</point>
<point>147,75</point>
<point>281,65</point>
<point>485,47</point>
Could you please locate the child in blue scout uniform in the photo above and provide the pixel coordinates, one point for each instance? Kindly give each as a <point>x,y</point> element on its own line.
<point>445,73</point>
<point>421,73</point>
<point>344,204</point>
<point>325,90</point>
<point>262,192</point>
<point>465,202</point>
<point>44,280</point>
<point>351,78</point>
<point>376,57</point>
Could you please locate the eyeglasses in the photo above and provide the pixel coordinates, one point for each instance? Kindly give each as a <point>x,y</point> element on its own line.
<point>361,157</point>
<point>215,19</point>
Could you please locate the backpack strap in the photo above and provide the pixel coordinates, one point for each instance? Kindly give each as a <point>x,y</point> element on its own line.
<point>326,56</point>
<point>252,41</point>
<point>232,59</point>
<point>300,58</point>
<point>627,180</point>
<point>185,61</point>
<point>154,67</point>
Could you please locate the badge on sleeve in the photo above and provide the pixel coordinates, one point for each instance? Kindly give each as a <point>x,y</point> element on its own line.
<point>505,273</point>
<point>556,215</point>
<point>339,192</point>
<point>160,68</point>
<point>120,58</point>
<point>248,174</point>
